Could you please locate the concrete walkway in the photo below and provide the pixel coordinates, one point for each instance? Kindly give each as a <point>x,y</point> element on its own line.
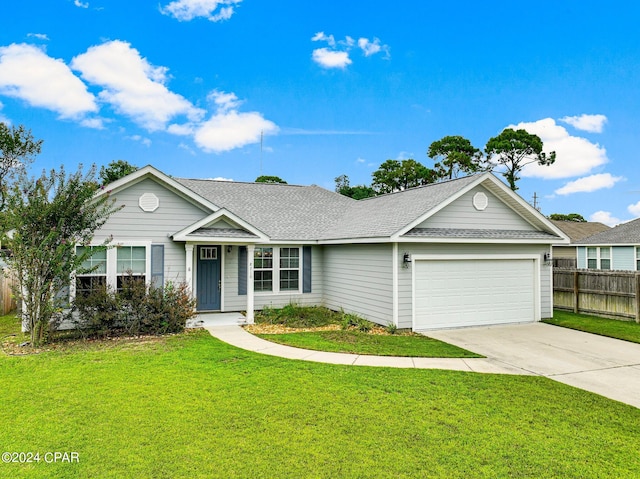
<point>605,366</point>
<point>240,338</point>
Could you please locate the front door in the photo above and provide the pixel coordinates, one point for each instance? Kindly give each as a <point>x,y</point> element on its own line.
<point>208,278</point>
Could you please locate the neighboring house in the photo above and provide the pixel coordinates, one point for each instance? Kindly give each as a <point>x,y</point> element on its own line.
<point>576,231</point>
<point>615,249</point>
<point>458,253</point>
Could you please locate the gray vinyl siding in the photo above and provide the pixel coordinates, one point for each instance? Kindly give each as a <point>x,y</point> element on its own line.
<point>132,224</point>
<point>462,214</point>
<point>582,257</point>
<point>358,279</point>
<point>405,278</point>
<point>623,258</point>
<point>232,301</point>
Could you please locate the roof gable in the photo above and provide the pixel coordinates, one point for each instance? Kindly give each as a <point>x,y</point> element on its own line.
<point>221,225</point>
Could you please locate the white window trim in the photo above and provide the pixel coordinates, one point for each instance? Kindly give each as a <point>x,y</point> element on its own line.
<point>112,264</point>
<point>276,271</point>
<point>599,257</point>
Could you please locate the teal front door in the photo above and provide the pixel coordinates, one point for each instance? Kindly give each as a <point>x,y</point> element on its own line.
<point>208,278</point>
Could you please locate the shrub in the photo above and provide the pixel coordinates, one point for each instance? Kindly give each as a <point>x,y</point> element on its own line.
<point>137,309</point>
<point>296,316</point>
<point>350,320</point>
<point>391,328</point>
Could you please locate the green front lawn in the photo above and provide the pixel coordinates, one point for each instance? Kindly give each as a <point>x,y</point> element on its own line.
<point>190,406</point>
<point>356,342</point>
<point>613,328</point>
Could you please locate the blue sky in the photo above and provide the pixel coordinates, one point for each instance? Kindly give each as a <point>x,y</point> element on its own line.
<point>334,87</point>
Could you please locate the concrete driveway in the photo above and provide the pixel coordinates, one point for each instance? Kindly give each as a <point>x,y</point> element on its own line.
<point>605,366</point>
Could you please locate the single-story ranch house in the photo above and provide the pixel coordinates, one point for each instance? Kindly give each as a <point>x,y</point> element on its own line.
<point>462,252</point>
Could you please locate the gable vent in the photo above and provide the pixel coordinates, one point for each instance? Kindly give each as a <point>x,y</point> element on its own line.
<point>148,202</point>
<point>480,201</point>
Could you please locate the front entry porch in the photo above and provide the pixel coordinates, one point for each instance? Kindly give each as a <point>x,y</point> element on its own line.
<point>205,320</point>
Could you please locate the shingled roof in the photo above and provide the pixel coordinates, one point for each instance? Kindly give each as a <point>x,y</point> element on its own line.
<point>578,230</point>
<point>625,233</point>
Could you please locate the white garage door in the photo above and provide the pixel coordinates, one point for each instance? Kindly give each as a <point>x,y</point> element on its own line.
<point>473,292</point>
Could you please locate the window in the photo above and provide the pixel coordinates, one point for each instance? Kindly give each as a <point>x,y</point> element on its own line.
<point>96,276</point>
<point>592,258</point>
<point>638,258</point>
<point>605,258</point>
<point>276,269</point>
<point>131,260</point>
<point>289,269</point>
<point>263,269</point>
<point>599,258</point>
<point>112,266</point>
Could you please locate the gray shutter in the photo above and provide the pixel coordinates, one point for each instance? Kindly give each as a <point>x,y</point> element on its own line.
<point>306,269</point>
<point>242,270</point>
<point>157,265</point>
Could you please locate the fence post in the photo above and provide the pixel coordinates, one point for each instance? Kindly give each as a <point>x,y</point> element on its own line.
<point>576,291</point>
<point>637,297</point>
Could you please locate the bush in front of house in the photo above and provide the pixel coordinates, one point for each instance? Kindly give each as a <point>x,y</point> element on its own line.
<point>134,310</point>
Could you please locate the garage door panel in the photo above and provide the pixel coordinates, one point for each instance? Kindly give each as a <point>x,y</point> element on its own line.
<point>455,293</point>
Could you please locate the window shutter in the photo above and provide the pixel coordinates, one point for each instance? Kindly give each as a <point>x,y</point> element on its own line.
<point>306,269</point>
<point>157,265</point>
<point>242,270</point>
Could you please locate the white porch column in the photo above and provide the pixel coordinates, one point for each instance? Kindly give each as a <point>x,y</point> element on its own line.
<point>250,251</point>
<point>188,270</point>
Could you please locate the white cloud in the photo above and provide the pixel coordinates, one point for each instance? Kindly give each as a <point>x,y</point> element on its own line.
<point>337,55</point>
<point>95,123</point>
<point>590,123</point>
<point>371,48</point>
<point>589,184</point>
<point>361,160</point>
<point>634,209</point>
<point>80,4</point>
<point>321,37</point>
<point>39,36</point>
<point>27,73</point>
<point>224,101</point>
<point>605,217</point>
<point>141,139</point>
<point>132,85</point>
<point>227,130</point>
<point>186,10</point>
<point>331,59</point>
<point>220,178</point>
<point>575,155</point>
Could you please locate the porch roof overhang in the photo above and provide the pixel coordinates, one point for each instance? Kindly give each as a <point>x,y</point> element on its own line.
<point>203,231</point>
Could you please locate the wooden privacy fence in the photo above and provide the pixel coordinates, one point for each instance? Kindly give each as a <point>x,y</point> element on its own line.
<point>607,293</point>
<point>7,301</point>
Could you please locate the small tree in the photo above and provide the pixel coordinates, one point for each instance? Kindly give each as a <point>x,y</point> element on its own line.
<point>270,179</point>
<point>576,217</point>
<point>17,148</point>
<point>457,155</point>
<point>358,192</point>
<point>48,216</point>
<point>116,170</point>
<point>394,175</point>
<point>514,149</point>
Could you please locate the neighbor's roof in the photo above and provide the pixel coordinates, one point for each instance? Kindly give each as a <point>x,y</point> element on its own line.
<point>578,230</point>
<point>625,233</point>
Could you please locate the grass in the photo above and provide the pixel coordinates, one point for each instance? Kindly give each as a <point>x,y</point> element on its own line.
<point>357,342</point>
<point>190,406</point>
<point>613,328</point>
<point>358,336</point>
